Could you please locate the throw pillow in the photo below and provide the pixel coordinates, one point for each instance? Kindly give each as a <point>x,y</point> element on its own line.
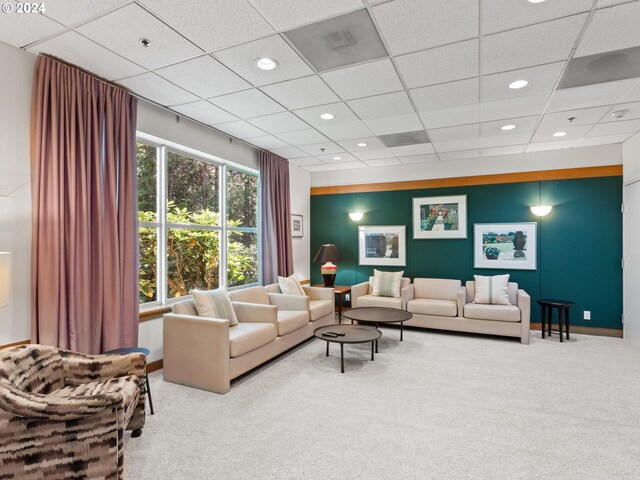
<point>214,303</point>
<point>492,290</point>
<point>386,284</point>
<point>290,285</point>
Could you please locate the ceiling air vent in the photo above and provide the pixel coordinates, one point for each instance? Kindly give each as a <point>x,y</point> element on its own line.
<point>404,138</point>
<point>602,68</point>
<point>340,39</point>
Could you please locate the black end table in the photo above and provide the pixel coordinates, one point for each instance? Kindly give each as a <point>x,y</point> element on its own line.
<point>352,334</point>
<point>146,352</point>
<point>379,315</point>
<point>563,307</point>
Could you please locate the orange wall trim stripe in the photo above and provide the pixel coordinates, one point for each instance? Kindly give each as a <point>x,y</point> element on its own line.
<point>15,344</point>
<point>542,175</point>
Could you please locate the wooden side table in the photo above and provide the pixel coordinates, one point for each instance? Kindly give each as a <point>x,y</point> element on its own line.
<point>339,291</point>
<point>563,306</point>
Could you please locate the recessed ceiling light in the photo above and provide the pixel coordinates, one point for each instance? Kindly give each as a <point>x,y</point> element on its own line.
<point>145,42</point>
<point>536,1</point>
<point>619,113</point>
<point>508,127</point>
<point>337,158</point>
<point>266,63</point>
<point>518,84</point>
<point>362,144</point>
<point>326,116</point>
<point>559,134</point>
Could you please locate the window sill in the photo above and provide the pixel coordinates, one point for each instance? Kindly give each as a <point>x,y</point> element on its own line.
<point>152,313</point>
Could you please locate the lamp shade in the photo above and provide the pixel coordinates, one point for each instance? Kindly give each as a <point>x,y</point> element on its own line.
<point>327,253</point>
<point>5,278</point>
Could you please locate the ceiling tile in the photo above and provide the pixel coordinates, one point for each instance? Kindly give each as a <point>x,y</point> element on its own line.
<point>410,25</point>
<point>341,114</point>
<point>382,106</point>
<point>301,92</point>
<point>304,161</point>
<point>289,152</point>
<point>439,65</point>
<point>364,80</point>
<point>347,165</point>
<point>455,145</point>
<point>418,159</point>
<point>510,150</point>
<point>76,49</point>
<point>279,123</point>
<point>542,43</point>
<point>410,150</point>
<point>482,142</point>
<point>157,89</point>
<point>347,130</point>
<point>615,128</point>
<point>453,94</point>
<point>120,31</point>
<point>285,14</point>
<point>212,24</point>
<point>205,112</point>
<point>204,77</point>
<point>396,124</point>
<point>459,155</point>
<point>71,12</point>
<point>372,143</point>
<point>609,3</point>
<point>454,133</point>
<point>240,129</point>
<point>545,134</point>
<point>633,95</point>
<point>21,30</point>
<point>523,124</point>
<point>268,142</point>
<point>583,116</point>
<point>541,79</point>
<point>319,168</point>
<point>451,116</point>
<point>325,148</point>
<point>373,154</point>
<point>576,143</point>
<point>341,158</point>
<point>633,112</point>
<point>589,95</point>
<point>302,137</point>
<point>498,15</point>
<point>611,29</point>
<point>514,107</point>
<point>247,104</point>
<point>242,60</point>
<point>382,162</point>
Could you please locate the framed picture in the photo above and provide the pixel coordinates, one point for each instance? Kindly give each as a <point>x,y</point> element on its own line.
<point>296,225</point>
<point>511,246</point>
<point>383,245</point>
<point>440,217</point>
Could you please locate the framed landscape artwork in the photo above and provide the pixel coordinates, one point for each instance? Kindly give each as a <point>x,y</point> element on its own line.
<point>511,246</point>
<point>440,217</point>
<point>296,225</point>
<point>383,245</point>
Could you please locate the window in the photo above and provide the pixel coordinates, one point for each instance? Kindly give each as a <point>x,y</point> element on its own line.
<point>198,224</point>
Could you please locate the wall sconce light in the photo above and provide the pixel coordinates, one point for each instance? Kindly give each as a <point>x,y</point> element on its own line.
<point>541,210</point>
<point>5,278</point>
<point>356,216</point>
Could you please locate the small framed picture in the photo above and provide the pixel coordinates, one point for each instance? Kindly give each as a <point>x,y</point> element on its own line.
<point>440,217</point>
<point>511,246</point>
<point>296,226</point>
<point>384,245</point>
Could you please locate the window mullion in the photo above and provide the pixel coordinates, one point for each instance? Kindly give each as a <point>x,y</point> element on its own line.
<point>223,270</point>
<point>162,217</point>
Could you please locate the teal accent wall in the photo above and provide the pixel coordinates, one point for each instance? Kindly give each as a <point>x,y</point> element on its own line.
<point>579,242</point>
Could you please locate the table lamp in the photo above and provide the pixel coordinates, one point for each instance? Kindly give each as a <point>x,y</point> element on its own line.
<point>5,279</point>
<point>328,254</point>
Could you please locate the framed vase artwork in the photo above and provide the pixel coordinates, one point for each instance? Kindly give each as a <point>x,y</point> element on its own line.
<point>440,217</point>
<point>384,245</point>
<point>511,246</point>
<point>296,225</point>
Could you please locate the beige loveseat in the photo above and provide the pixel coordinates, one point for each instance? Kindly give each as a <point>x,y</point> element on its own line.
<point>320,301</point>
<point>362,295</point>
<point>446,305</point>
<point>207,353</point>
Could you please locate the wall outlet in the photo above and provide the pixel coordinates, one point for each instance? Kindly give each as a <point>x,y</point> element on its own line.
<point>347,297</point>
<point>587,315</point>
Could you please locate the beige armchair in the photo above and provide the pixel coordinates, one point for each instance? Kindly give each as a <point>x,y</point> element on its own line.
<point>361,295</point>
<point>320,301</point>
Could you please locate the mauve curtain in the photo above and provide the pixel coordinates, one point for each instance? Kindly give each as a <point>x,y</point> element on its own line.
<point>85,234</point>
<point>277,251</point>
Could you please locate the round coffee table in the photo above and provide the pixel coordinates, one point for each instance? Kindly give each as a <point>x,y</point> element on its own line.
<point>352,334</point>
<point>379,315</point>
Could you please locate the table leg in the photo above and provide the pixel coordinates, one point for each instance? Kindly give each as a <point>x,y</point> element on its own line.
<point>341,357</point>
<point>372,350</point>
<point>327,348</point>
<point>550,318</point>
<point>377,325</point>
<point>566,320</point>
<point>544,319</point>
<point>560,315</point>
<point>401,331</point>
<point>339,306</point>
<point>149,394</point>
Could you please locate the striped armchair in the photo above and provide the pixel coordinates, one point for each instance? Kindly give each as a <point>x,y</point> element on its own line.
<point>63,414</point>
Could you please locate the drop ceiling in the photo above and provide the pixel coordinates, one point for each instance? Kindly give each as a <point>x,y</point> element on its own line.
<point>445,70</point>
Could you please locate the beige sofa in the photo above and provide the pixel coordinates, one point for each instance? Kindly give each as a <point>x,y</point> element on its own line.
<point>321,301</point>
<point>207,353</point>
<point>361,295</point>
<point>447,305</point>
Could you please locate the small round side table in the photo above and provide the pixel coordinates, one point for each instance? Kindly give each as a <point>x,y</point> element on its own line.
<point>563,306</point>
<point>146,352</point>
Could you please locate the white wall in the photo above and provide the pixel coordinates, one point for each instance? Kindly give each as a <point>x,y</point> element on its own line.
<point>300,181</point>
<point>15,175</point>
<point>631,238</point>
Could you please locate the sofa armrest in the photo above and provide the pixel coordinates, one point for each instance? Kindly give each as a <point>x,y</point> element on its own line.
<point>255,313</point>
<point>406,294</point>
<point>524,304</point>
<point>358,290</point>
<point>319,293</point>
<point>80,368</point>
<point>461,300</point>
<point>289,302</point>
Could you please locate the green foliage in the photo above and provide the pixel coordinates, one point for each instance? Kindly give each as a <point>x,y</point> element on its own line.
<point>491,252</point>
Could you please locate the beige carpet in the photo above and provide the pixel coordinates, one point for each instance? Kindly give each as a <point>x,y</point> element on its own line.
<point>436,406</point>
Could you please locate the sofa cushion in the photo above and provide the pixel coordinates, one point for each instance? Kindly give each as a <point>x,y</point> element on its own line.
<point>246,337</point>
<point>250,295</point>
<point>185,307</point>
<point>291,320</point>
<point>290,285</point>
<point>429,306</point>
<point>501,313</point>
<point>491,290</point>
<point>512,291</point>
<point>436,288</point>
<point>320,308</point>
<point>214,304</point>
<point>371,301</point>
<point>386,284</point>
